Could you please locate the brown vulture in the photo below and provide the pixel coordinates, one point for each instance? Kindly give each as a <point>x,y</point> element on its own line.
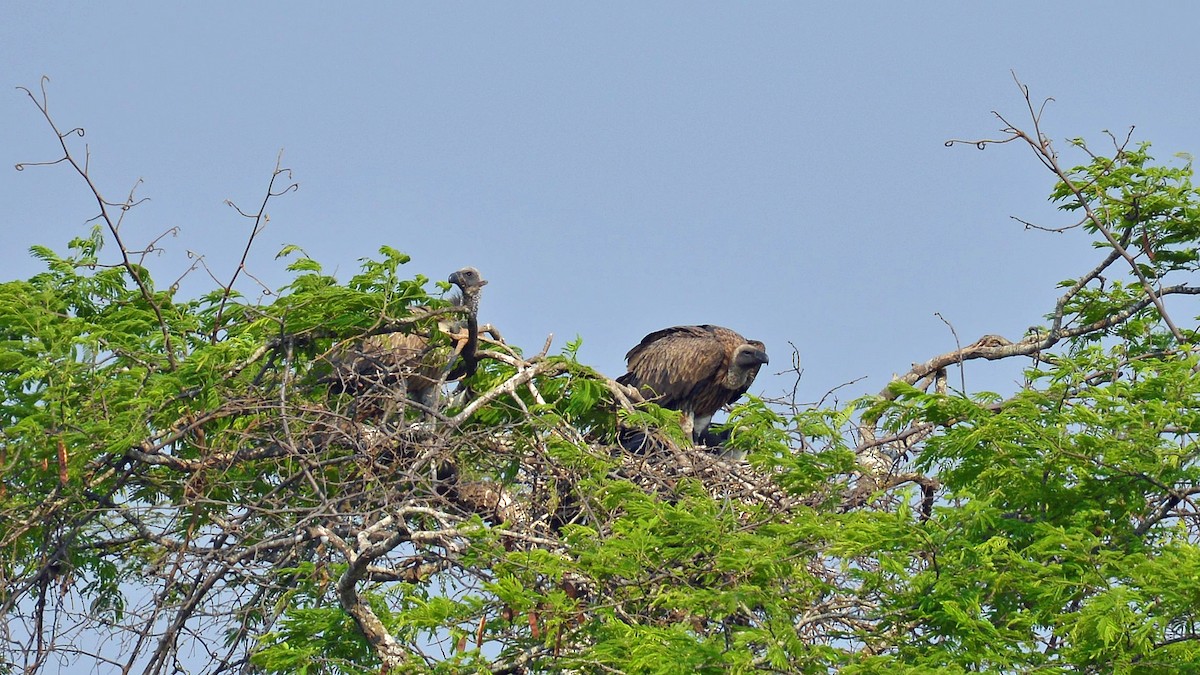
<point>695,370</point>
<point>389,359</point>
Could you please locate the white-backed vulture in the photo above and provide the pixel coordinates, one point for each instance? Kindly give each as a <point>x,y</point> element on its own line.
<point>695,370</point>
<point>470,284</point>
<point>390,360</point>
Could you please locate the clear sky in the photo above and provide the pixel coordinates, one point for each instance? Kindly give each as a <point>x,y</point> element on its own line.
<point>611,168</point>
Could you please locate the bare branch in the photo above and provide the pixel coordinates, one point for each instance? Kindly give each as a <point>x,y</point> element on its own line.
<point>260,219</point>
<point>134,271</point>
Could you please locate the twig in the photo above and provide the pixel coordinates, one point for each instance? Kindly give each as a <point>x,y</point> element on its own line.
<point>82,170</point>
<point>260,222</point>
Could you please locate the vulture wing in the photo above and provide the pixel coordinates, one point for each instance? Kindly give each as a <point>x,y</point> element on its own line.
<point>669,365</point>
<point>381,361</point>
<point>409,357</point>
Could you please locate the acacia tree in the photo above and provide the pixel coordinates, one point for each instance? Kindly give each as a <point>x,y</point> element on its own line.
<point>184,490</point>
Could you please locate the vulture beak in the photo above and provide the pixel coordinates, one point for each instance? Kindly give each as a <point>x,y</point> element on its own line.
<point>761,356</point>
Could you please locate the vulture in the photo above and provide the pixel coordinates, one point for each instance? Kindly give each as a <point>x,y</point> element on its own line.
<point>695,370</point>
<point>389,359</point>
<point>470,284</point>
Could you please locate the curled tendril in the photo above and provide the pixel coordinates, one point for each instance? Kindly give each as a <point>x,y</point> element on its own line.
<point>978,144</point>
<point>126,207</point>
<point>981,144</point>
<point>291,188</point>
<point>20,166</point>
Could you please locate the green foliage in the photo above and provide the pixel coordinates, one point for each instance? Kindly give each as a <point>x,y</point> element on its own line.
<point>190,461</point>
<point>316,640</point>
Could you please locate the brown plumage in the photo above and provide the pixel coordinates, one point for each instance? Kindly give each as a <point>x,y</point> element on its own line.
<point>391,360</point>
<point>695,370</point>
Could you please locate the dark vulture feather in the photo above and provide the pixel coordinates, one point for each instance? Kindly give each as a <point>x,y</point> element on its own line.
<point>390,360</point>
<point>695,370</point>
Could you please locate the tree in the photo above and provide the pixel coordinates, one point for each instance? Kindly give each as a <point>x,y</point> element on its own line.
<point>182,488</point>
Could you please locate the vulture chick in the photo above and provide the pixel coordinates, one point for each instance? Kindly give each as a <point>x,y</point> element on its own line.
<point>695,370</point>
<point>390,359</point>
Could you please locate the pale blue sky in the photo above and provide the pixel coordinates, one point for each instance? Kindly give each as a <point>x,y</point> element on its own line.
<point>612,168</point>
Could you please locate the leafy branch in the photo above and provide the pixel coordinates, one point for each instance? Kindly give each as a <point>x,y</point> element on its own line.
<point>252,504</point>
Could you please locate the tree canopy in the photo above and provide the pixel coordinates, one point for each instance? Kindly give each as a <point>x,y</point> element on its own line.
<point>184,489</point>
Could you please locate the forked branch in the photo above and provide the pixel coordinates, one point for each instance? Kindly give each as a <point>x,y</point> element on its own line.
<point>260,219</point>
<point>111,223</point>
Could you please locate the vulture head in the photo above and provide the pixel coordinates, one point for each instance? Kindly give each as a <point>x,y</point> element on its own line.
<point>695,370</point>
<point>747,359</point>
<point>469,282</point>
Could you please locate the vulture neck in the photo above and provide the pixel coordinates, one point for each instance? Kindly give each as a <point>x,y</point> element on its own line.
<point>470,358</point>
<point>737,378</point>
